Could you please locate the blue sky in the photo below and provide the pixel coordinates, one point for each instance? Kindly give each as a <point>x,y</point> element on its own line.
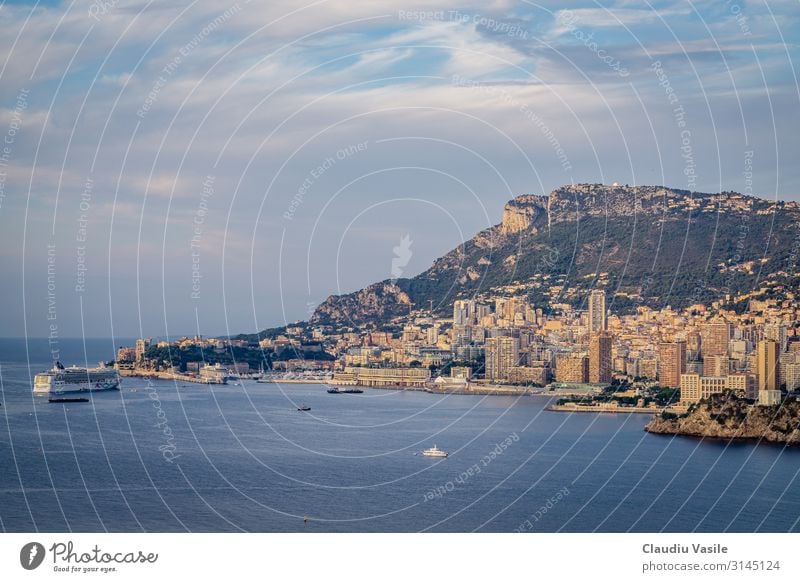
<point>219,167</point>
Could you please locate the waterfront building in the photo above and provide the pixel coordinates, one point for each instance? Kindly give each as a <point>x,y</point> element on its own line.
<point>600,358</point>
<point>742,382</point>
<point>538,375</point>
<point>572,368</point>
<point>375,377</point>
<point>695,387</point>
<point>215,374</point>
<point>767,362</point>
<point>790,375</point>
<point>769,397</point>
<point>502,353</point>
<point>671,363</point>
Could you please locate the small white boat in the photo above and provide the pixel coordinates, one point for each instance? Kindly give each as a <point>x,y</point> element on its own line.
<point>434,452</point>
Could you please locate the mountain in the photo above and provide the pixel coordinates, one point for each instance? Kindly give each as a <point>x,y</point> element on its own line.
<point>645,245</point>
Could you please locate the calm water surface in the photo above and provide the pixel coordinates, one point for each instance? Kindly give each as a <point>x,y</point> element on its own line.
<point>246,459</point>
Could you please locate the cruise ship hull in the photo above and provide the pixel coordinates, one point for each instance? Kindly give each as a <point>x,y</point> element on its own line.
<point>81,387</point>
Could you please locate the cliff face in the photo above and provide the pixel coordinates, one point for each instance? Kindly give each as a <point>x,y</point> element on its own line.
<point>521,212</point>
<point>728,417</point>
<point>649,245</point>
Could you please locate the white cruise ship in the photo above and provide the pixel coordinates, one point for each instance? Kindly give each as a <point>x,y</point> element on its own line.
<point>60,380</point>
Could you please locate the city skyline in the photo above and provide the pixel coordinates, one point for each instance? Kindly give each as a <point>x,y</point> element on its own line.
<point>505,343</point>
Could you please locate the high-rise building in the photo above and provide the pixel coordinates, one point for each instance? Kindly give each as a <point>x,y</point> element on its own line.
<point>433,334</point>
<point>600,358</point>
<point>716,365</point>
<point>463,311</point>
<point>597,311</point>
<point>572,368</point>
<point>671,363</point>
<point>790,375</point>
<point>693,344</point>
<point>502,353</point>
<point>768,370</point>
<point>777,333</point>
<point>716,336</point>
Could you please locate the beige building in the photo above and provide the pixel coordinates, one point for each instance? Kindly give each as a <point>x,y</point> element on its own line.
<point>647,368</point>
<point>767,363</point>
<point>769,384</point>
<point>695,387</point>
<point>716,365</point>
<point>126,354</point>
<point>461,372</point>
<point>742,382</point>
<point>600,358</point>
<point>715,337</point>
<point>572,368</point>
<point>671,363</point>
<point>502,353</point>
<point>597,311</point>
<point>525,374</point>
<point>383,376</point>
<point>790,375</point>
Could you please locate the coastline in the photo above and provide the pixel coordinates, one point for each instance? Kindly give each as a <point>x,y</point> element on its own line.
<point>167,376</point>
<point>603,409</point>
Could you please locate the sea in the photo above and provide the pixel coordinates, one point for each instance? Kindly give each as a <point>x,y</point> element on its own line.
<point>161,456</point>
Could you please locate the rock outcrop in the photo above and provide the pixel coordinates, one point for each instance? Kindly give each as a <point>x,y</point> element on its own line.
<point>379,301</point>
<point>726,416</point>
<point>521,212</point>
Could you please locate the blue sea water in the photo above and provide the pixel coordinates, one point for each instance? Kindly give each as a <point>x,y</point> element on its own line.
<point>246,460</point>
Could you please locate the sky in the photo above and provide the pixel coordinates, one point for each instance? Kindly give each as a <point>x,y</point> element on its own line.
<point>216,167</point>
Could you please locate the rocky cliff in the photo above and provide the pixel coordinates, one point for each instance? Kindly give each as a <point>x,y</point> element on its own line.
<point>726,416</point>
<point>521,213</point>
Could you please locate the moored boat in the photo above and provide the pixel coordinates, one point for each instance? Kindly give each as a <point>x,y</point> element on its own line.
<point>61,380</point>
<point>336,390</point>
